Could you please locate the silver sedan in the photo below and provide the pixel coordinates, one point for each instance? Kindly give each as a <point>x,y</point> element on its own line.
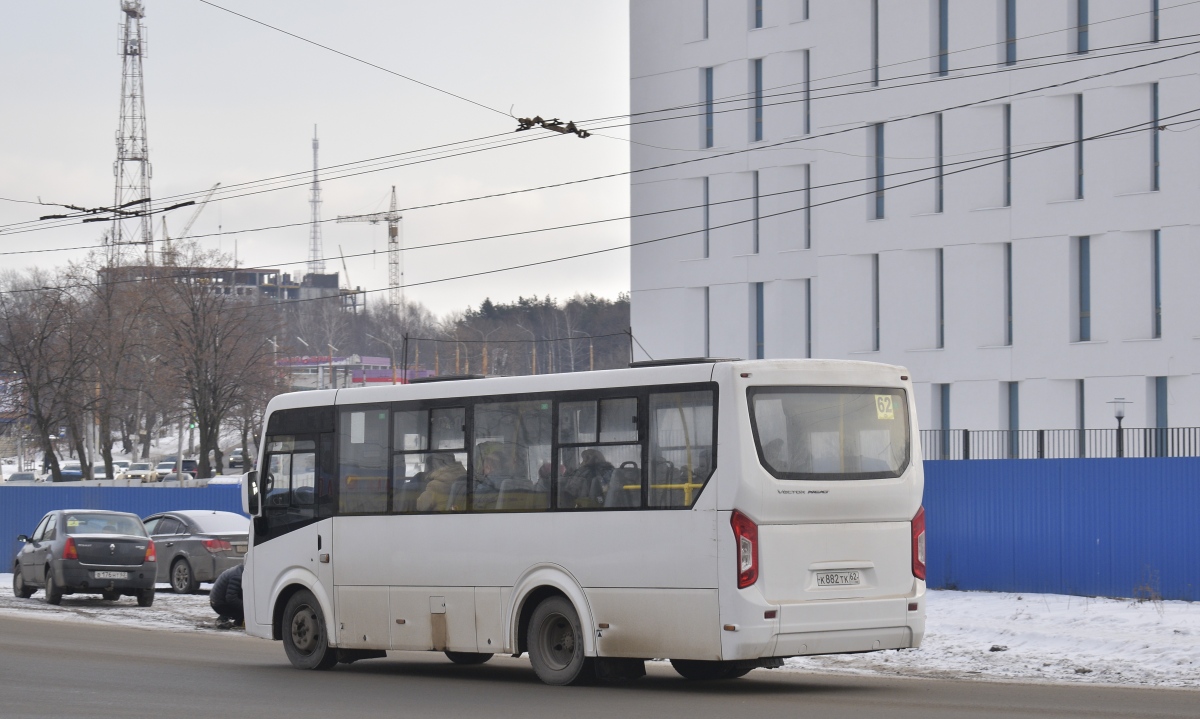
<point>197,545</point>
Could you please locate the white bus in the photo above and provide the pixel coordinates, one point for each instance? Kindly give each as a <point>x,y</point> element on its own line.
<point>720,514</point>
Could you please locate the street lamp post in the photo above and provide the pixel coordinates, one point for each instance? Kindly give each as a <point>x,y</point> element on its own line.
<point>391,347</point>
<point>1119,412</point>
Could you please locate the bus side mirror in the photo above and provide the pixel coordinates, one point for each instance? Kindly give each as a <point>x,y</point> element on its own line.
<point>250,493</point>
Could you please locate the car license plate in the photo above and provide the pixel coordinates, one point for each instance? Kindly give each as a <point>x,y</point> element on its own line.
<point>112,575</point>
<point>839,579</point>
<point>239,548</point>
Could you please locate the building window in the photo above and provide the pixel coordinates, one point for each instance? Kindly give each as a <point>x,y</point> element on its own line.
<point>758,321</point>
<point>708,107</point>
<point>1081,26</point>
<point>807,91</point>
<point>707,323</point>
<point>1156,280</point>
<point>940,298</point>
<point>879,170</point>
<point>1153,20</point>
<point>707,215</point>
<point>1154,136</point>
<point>1085,289</point>
<point>704,19</point>
<point>1160,416</point>
<point>875,43</point>
<point>1010,32</point>
<point>807,207</point>
<point>808,318</point>
<point>1008,294</point>
<point>754,208</point>
<point>1008,155</point>
<point>939,182</point>
<point>943,37</point>
<point>758,99</point>
<point>1079,146</point>
<point>1014,420</point>
<point>875,302</point>
<point>943,400</point>
<point>1080,418</point>
<point>758,13</point>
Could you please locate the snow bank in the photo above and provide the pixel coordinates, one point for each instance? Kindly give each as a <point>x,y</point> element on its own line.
<point>970,635</point>
<point>1046,637</point>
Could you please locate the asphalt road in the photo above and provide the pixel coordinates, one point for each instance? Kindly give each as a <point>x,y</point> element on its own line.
<point>58,669</point>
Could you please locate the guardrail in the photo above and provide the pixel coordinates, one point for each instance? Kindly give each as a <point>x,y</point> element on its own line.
<point>1060,443</point>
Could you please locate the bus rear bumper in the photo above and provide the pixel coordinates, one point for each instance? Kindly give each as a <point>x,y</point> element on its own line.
<point>841,626</point>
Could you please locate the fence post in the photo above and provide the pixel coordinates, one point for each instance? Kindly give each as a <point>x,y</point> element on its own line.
<point>966,454</point>
<point>1041,439</point>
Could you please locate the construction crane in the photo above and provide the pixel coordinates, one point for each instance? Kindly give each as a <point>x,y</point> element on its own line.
<point>168,252</point>
<point>395,263</point>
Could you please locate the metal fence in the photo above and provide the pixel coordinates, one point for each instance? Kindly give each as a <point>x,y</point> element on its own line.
<point>1060,443</point>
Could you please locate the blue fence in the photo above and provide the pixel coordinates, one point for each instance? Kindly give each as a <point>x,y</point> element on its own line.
<point>1090,527</point>
<point>22,507</point>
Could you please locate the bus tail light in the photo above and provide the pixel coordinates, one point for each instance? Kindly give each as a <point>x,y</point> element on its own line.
<point>151,553</point>
<point>69,550</point>
<point>918,544</point>
<point>745,532</point>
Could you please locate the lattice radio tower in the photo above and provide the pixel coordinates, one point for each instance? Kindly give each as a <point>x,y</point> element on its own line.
<point>316,255</point>
<point>131,224</point>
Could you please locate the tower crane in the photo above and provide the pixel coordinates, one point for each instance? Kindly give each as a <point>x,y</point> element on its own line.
<point>395,263</point>
<point>168,252</point>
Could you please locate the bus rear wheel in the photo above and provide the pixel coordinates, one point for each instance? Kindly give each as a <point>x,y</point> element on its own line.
<point>702,671</point>
<point>555,641</point>
<point>305,638</point>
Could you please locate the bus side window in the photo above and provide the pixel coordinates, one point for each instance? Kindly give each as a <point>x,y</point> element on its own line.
<point>681,447</point>
<point>363,461</point>
<point>511,470</point>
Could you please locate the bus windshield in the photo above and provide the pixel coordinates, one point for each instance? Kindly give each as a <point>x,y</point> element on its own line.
<point>831,432</point>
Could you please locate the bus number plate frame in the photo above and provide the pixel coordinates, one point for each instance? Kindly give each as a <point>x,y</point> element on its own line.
<point>844,578</point>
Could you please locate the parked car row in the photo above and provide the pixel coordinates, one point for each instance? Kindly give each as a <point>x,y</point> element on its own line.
<point>116,554</point>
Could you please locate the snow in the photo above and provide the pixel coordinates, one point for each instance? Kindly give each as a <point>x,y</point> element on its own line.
<point>1041,637</point>
<point>1045,637</point>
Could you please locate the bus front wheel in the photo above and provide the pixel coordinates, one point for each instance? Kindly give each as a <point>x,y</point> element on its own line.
<point>305,638</point>
<point>555,641</point>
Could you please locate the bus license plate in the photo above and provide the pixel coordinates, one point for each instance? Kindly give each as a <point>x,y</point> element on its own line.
<point>838,579</point>
<point>112,575</point>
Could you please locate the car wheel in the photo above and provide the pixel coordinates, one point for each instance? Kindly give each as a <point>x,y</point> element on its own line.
<point>703,671</point>
<point>555,641</point>
<point>20,589</point>
<point>305,638</point>
<point>145,597</point>
<point>53,592</point>
<point>182,581</point>
<point>111,596</point>
<point>467,658</point>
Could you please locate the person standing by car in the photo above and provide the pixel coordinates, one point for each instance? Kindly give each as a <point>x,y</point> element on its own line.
<point>225,598</point>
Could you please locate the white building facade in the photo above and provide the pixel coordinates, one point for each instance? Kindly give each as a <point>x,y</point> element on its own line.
<point>973,189</point>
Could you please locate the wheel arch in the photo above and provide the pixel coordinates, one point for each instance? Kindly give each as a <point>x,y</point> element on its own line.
<point>535,585</point>
<point>287,585</point>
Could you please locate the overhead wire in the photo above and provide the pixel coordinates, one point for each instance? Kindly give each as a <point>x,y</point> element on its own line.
<point>1130,129</point>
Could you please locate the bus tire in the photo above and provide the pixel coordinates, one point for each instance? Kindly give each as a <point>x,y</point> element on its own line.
<point>467,658</point>
<point>305,637</point>
<point>705,671</point>
<point>555,641</point>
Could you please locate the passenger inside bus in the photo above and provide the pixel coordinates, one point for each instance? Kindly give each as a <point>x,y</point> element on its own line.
<point>586,485</point>
<point>441,472</point>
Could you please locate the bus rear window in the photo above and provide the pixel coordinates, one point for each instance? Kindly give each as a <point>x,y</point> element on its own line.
<point>831,432</point>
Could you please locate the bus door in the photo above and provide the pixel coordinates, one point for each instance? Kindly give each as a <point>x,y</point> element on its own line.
<point>298,484</point>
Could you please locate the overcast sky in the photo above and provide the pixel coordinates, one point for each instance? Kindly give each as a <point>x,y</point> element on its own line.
<point>230,101</point>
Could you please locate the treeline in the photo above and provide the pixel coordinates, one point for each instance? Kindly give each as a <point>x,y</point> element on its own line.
<point>123,353</point>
